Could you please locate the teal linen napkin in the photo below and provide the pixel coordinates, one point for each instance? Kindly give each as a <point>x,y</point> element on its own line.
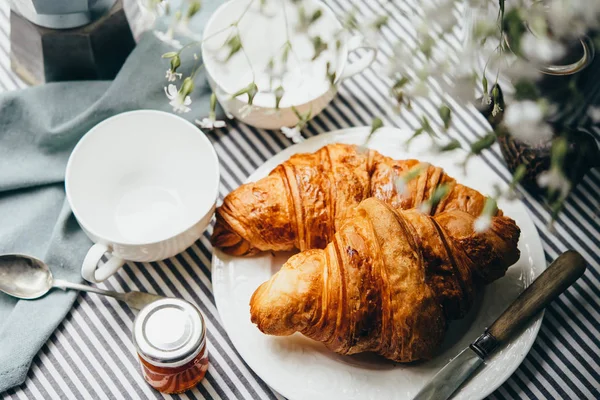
<point>39,127</point>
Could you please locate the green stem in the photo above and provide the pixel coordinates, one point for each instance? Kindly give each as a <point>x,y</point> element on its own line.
<point>247,58</point>
<point>196,69</point>
<point>287,32</point>
<point>234,24</point>
<point>243,13</point>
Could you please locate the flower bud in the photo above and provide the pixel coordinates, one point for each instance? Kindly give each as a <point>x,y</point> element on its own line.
<point>194,8</point>
<point>187,87</point>
<point>252,91</point>
<point>175,62</point>
<point>279,92</point>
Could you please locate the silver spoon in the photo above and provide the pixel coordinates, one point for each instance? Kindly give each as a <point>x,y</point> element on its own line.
<point>28,278</point>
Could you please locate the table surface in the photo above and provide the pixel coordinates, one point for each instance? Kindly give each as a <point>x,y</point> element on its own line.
<point>91,355</point>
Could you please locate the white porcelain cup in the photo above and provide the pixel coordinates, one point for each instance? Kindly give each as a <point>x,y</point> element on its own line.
<point>143,186</point>
<point>262,30</point>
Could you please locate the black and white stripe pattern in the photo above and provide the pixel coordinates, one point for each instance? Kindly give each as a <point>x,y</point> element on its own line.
<point>91,354</point>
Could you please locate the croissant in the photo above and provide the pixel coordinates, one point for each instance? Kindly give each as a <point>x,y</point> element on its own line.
<point>303,201</point>
<point>389,282</point>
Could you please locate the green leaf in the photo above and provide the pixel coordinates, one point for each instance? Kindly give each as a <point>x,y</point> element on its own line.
<point>483,143</point>
<point>413,173</point>
<point>426,126</point>
<point>446,116</point>
<point>514,27</point>
<point>490,207</point>
<point>315,16</point>
<point>417,132</point>
<point>400,83</point>
<point>319,46</point>
<point>451,145</point>
<point>518,175</point>
<point>170,54</point>
<point>302,119</point>
<point>376,124</point>
<point>380,22</point>
<point>438,194</point>
<point>525,90</point>
<point>295,110</point>
<point>560,146</point>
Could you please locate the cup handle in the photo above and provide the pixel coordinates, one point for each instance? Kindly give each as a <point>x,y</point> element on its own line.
<point>91,272</point>
<point>355,43</point>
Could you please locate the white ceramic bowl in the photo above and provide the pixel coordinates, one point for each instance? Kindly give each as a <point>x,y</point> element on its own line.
<point>263,36</point>
<point>143,186</point>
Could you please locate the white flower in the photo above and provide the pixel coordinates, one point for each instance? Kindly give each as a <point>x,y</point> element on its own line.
<point>178,102</point>
<point>541,49</point>
<point>172,76</point>
<point>496,110</point>
<point>594,114</point>
<point>210,123</point>
<point>482,223</point>
<point>555,181</point>
<point>293,134</point>
<point>525,122</point>
<point>167,37</point>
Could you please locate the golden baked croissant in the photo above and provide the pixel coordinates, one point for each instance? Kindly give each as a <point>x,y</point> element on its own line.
<point>304,200</point>
<point>389,282</point>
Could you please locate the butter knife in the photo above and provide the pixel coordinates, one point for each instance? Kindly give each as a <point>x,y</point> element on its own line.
<point>561,274</point>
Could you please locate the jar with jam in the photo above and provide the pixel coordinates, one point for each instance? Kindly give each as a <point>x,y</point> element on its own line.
<point>170,340</point>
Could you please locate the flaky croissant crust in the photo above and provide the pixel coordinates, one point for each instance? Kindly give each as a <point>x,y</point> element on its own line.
<point>389,282</point>
<point>303,201</point>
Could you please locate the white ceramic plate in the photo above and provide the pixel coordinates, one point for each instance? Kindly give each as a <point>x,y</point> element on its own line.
<point>300,368</point>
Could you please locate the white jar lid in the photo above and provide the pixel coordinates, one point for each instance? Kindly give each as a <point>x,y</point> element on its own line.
<point>169,332</point>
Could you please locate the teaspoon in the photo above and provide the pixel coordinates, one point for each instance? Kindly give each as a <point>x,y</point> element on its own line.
<point>26,277</point>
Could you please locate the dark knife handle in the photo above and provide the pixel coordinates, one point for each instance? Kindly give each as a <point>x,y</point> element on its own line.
<point>561,274</point>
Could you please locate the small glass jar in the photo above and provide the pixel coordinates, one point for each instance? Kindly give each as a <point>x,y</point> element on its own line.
<point>170,340</point>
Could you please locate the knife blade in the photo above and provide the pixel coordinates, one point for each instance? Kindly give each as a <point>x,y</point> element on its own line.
<point>561,274</point>
<point>449,378</point>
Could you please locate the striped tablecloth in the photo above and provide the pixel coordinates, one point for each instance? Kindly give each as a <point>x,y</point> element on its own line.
<point>91,354</point>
